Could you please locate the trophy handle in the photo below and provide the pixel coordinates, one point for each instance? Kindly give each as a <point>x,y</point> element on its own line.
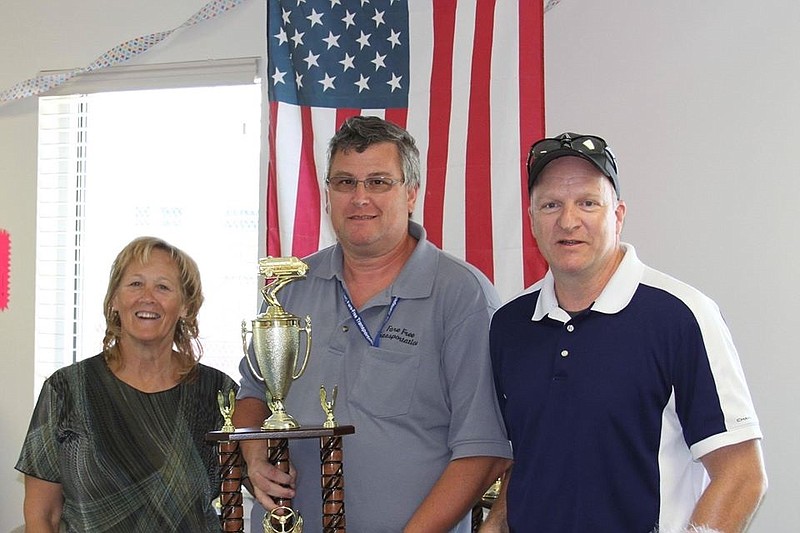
<point>307,329</point>
<point>245,331</point>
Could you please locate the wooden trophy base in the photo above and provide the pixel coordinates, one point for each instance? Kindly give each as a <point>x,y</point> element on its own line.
<point>331,470</point>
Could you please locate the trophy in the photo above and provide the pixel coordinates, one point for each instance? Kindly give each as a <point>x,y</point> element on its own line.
<point>226,410</point>
<point>276,344</point>
<point>328,405</point>
<point>276,340</point>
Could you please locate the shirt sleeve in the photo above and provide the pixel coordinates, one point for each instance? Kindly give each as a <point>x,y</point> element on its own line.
<point>476,427</point>
<point>39,455</point>
<point>712,396</point>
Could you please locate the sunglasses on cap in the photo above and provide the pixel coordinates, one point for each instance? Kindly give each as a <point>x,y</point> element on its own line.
<point>590,147</point>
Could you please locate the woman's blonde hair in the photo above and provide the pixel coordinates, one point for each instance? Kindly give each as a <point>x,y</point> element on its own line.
<point>186,330</point>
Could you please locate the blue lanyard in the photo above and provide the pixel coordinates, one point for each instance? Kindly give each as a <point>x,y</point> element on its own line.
<point>376,342</point>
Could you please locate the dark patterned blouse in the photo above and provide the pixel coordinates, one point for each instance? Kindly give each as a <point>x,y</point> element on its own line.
<point>127,461</point>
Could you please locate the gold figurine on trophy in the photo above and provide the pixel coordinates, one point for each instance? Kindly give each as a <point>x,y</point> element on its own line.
<point>327,406</point>
<point>226,409</point>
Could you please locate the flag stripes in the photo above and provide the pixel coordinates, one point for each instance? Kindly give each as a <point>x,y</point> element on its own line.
<point>473,100</point>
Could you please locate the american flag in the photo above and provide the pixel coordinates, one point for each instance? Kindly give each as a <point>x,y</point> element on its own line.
<point>465,77</point>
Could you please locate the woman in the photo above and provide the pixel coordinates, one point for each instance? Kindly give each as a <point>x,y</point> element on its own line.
<point>116,442</point>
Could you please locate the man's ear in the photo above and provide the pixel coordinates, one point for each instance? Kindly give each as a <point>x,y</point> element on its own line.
<point>411,199</point>
<point>619,213</point>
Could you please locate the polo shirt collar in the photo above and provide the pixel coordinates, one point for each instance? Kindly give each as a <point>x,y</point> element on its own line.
<point>418,275</point>
<point>616,295</point>
<point>414,281</point>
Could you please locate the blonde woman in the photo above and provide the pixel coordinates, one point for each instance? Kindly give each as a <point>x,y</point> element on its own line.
<point>116,441</point>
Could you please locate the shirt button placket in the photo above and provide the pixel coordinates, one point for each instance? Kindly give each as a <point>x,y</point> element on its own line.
<point>570,328</point>
<point>560,367</point>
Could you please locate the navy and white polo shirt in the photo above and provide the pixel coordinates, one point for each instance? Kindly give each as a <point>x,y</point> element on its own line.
<point>608,412</point>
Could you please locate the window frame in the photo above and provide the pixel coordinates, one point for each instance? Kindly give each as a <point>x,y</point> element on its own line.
<point>60,251</point>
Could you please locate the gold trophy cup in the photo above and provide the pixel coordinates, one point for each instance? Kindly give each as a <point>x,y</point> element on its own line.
<point>276,340</point>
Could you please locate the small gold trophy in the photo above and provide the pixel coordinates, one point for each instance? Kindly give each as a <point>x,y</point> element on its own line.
<point>226,410</point>
<point>328,405</point>
<point>276,340</point>
<point>493,491</point>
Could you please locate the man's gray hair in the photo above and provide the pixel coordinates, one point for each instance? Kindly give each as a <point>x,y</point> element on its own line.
<point>358,133</point>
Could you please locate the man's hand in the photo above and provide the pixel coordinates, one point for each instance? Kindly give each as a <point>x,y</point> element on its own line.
<point>267,482</point>
<point>264,480</point>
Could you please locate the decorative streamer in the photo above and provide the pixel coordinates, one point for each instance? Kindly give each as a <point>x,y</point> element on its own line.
<point>116,56</point>
<point>550,4</point>
<point>5,268</point>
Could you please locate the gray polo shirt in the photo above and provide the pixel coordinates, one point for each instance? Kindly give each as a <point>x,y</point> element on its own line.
<point>423,397</point>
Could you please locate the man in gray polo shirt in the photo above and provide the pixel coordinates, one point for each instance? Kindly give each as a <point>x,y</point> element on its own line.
<point>402,328</point>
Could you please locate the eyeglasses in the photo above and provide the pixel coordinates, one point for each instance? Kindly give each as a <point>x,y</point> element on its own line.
<point>586,144</point>
<point>376,184</point>
<point>590,147</point>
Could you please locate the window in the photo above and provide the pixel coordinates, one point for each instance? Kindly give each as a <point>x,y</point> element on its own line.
<point>180,164</point>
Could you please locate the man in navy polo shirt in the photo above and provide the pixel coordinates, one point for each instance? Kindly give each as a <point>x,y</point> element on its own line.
<point>621,389</point>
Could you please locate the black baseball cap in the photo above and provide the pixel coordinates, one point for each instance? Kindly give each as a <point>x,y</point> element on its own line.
<point>589,147</point>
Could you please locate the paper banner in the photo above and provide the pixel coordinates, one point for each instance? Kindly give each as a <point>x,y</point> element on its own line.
<point>5,268</point>
<point>116,56</point>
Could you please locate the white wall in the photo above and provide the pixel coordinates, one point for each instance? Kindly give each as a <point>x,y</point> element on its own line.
<point>40,35</point>
<point>696,98</point>
<point>700,101</point>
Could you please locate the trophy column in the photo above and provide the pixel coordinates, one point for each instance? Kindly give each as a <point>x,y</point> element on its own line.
<point>230,494</point>
<point>332,477</point>
<point>278,453</point>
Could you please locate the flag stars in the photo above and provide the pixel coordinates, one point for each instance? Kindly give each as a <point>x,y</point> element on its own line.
<point>358,48</point>
<point>311,60</point>
<point>298,38</point>
<point>394,83</point>
<point>394,38</point>
<point>378,61</point>
<point>347,62</point>
<point>282,37</point>
<point>327,82</point>
<point>278,77</point>
<point>332,40</point>
<point>349,19</point>
<point>315,18</point>
<point>364,39</point>
<point>362,83</point>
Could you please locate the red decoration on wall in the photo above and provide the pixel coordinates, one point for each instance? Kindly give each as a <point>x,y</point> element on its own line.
<point>5,268</point>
